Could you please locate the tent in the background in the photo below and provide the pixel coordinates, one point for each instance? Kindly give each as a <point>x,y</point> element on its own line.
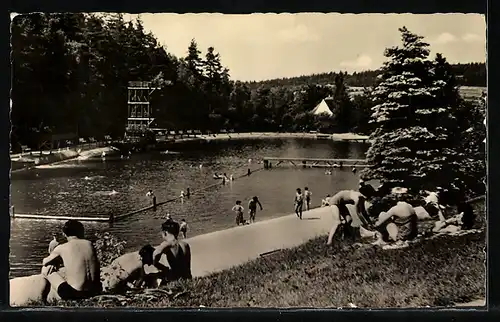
<point>322,108</point>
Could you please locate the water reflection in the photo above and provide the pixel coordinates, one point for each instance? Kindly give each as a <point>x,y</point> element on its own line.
<point>86,188</point>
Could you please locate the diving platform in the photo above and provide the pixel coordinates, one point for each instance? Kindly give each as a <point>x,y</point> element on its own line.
<point>269,162</point>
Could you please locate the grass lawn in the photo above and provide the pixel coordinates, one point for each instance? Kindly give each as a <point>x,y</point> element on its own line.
<point>435,272</point>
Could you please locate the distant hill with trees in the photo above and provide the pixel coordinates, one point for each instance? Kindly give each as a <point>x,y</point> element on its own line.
<point>470,74</point>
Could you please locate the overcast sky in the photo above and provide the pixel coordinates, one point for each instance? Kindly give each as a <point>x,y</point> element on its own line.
<point>265,46</point>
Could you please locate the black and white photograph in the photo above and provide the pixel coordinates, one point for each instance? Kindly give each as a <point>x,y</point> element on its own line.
<point>209,160</point>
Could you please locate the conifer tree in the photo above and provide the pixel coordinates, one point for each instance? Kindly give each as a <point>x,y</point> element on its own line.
<point>413,137</point>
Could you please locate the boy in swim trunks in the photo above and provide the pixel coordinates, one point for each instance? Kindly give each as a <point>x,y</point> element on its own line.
<point>298,203</point>
<point>252,208</point>
<point>183,228</point>
<point>238,209</point>
<point>82,271</point>
<point>307,196</point>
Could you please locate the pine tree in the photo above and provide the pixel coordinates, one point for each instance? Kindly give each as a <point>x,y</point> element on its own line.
<point>343,115</point>
<point>413,140</point>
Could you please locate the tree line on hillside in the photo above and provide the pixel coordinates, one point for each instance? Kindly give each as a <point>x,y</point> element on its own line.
<point>470,74</point>
<point>71,70</point>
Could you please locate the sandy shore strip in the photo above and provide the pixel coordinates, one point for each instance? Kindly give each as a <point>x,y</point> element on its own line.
<point>264,135</point>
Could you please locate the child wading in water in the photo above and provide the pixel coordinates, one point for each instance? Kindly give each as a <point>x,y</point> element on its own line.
<point>238,209</point>
<point>307,195</point>
<point>299,201</point>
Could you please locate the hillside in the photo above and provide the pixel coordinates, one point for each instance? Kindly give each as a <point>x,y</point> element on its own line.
<point>471,74</point>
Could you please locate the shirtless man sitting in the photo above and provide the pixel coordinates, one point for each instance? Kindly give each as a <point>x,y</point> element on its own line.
<point>177,253</point>
<point>81,266</point>
<point>397,224</point>
<point>341,215</point>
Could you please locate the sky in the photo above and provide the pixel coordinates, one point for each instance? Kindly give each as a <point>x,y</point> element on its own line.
<point>265,46</point>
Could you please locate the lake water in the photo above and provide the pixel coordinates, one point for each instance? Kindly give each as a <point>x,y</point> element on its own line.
<point>82,188</point>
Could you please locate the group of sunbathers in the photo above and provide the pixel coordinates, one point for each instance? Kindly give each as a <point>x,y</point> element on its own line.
<point>387,215</point>
<point>73,271</point>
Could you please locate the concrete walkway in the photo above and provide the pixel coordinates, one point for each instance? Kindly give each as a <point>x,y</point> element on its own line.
<point>224,249</point>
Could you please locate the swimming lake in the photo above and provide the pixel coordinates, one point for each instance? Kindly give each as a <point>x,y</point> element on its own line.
<point>97,187</point>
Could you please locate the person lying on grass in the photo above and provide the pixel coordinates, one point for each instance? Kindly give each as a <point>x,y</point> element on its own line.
<point>351,222</point>
<point>131,270</point>
<point>81,278</point>
<point>177,253</point>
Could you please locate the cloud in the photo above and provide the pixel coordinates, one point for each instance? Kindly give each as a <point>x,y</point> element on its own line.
<point>298,33</point>
<point>445,38</point>
<point>470,37</point>
<point>361,62</point>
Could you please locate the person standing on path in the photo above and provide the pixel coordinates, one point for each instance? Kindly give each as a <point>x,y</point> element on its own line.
<point>183,228</point>
<point>307,196</point>
<point>299,202</point>
<point>238,209</point>
<point>252,208</point>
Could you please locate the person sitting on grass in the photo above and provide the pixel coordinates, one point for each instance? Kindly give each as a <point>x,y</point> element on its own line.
<point>432,205</point>
<point>351,222</point>
<point>464,220</point>
<point>399,223</point>
<point>177,253</point>
<point>131,270</point>
<point>81,266</point>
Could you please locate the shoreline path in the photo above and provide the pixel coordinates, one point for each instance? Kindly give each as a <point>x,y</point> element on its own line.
<point>220,250</point>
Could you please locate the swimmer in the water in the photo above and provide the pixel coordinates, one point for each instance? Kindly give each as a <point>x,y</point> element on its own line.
<point>328,172</point>
<point>354,169</point>
<point>150,193</point>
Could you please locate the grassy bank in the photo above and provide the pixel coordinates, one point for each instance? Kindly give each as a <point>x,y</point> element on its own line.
<point>435,272</point>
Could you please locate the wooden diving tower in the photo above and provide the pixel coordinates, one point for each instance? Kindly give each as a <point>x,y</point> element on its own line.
<point>314,163</point>
<point>140,114</point>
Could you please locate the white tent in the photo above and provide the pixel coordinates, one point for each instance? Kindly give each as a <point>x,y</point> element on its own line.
<point>322,108</point>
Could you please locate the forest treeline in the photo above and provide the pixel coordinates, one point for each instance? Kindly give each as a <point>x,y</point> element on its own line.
<point>71,70</point>
<point>471,74</point>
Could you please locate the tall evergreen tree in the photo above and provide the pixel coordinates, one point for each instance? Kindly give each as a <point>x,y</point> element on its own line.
<point>412,143</point>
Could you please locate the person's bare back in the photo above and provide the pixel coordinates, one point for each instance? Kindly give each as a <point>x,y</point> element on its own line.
<point>81,266</point>
<point>80,262</point>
